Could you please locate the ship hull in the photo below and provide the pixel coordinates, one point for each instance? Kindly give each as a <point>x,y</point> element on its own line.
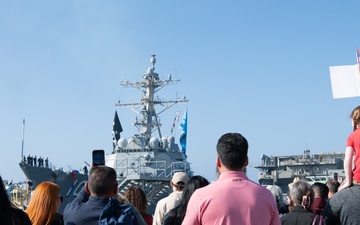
<point>70,183</point>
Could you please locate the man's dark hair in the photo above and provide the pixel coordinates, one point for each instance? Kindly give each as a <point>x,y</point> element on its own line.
<point>333,185</point>
<point>232,150</point>
<point>102,180</point>
<point>321,190</point>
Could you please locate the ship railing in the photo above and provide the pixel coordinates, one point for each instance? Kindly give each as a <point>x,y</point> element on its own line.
<point>162,168</point>
<point>157,176</point>
<point>127,167</point>
<point>139,167</point>
<point>176,167</point>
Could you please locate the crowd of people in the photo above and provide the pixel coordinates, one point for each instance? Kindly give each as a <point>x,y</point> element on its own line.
<point>231,199</point>
<point>35,161</point>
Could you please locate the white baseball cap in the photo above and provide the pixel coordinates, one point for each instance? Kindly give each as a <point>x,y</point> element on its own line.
<point>180,176</point>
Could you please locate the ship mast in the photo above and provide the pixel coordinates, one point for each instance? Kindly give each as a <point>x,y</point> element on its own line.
<point>150,84</point>
<point>23,139</point>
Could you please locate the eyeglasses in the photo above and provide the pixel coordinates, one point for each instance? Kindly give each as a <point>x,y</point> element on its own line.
<point>61,198</point>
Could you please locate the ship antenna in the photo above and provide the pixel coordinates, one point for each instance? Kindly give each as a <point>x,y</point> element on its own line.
<point>22,142</point>
<point>153,61</point>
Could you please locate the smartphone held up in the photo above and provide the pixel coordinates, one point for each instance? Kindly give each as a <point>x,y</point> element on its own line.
<point>98,157</point>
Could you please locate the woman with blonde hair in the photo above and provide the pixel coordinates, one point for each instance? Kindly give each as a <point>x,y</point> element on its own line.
<point>44,204</point>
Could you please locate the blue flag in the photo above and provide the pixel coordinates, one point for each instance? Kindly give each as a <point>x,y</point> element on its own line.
<point>183,127</point>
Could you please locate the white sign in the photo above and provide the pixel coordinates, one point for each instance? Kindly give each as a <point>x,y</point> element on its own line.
<point>345,81</point>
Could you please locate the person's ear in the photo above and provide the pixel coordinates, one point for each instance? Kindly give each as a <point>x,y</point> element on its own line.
<point>246,161</point>
<point>218,162</point>
<point>87,188</point>
<point>116,189</point>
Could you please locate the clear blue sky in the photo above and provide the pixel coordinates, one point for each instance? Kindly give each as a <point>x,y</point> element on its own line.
<point>260,68</point>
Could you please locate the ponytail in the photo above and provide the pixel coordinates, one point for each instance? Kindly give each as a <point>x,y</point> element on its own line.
<point>306,200</point>
<point>355,116</point>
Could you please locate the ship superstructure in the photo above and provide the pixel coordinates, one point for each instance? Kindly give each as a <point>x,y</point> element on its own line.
<point>281,170</point>
<point>149,158</point>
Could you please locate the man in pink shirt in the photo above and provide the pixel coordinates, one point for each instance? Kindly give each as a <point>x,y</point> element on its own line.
<point>233,198</point>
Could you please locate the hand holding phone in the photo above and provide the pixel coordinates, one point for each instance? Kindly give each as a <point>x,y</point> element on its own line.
<point>98,157</point>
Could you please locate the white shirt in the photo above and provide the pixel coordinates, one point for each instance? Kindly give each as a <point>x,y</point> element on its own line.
<point>165,205</point>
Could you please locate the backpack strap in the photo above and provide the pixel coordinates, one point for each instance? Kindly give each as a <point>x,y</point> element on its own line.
<point>316,219</point>
<point>321,220</point>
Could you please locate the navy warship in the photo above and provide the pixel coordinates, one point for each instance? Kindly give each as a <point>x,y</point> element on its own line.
<point>144,159</point>
<point>281,170</point>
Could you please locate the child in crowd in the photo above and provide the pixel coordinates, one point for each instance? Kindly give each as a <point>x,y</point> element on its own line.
<point>352,172</point>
